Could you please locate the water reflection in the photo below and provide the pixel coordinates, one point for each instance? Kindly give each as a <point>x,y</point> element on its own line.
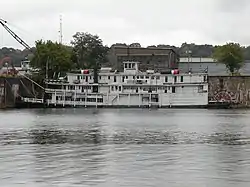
<point>95,136</point>
<point>125,148</point>
<point>71,164</point>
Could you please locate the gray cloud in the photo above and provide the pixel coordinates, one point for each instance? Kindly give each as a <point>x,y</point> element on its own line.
<point>233,6</point>
<point>147,22</point>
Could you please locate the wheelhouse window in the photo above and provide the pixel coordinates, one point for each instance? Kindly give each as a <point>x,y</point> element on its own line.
<point>173,90</point>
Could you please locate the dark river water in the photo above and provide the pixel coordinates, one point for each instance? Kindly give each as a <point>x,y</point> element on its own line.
<point>80,147</point>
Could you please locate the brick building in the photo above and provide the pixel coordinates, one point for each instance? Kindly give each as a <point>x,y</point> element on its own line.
<point>149,58</point>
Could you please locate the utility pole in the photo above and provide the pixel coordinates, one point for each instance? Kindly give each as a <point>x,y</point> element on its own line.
<point>61,36</point>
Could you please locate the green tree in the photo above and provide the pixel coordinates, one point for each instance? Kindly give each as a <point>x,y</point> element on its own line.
<point>230,54</point>
<point>52,57</point>
<point>88,50</point>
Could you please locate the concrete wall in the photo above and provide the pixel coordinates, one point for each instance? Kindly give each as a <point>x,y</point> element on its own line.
<point>235,89</point>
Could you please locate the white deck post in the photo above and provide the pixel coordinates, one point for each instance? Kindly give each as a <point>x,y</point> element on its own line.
<point>139,100</point>
<point>75,97</point>
<point>85,98</point>
<point>129,99</point>
<point>118,99</point>
<point>55,99</point>
<point>64,98</point>
<point>96,100</point>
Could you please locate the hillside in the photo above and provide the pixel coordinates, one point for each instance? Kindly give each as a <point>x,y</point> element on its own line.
<point>197,51</point>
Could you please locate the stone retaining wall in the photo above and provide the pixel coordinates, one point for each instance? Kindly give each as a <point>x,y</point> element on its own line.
<point>233,89</point>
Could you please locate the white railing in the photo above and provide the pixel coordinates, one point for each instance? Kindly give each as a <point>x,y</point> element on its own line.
<point>32,100</point>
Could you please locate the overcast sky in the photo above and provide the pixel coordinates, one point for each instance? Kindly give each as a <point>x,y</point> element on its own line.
<point>126,21</point>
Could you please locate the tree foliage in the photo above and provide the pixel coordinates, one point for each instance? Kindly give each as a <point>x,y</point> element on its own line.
<point>88,50</point>
<point>54,57</point>
<point>231,55</point>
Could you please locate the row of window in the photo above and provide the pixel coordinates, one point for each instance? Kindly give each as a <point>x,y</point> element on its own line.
<point>61,98</point>
<point>134,77</point>
<point>150,89</point>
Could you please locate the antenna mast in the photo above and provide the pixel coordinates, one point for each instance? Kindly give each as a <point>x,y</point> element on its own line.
<point>61,37</point>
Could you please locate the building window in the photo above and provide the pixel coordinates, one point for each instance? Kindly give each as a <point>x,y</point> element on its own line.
<point>166,79</point>
<point>173,89</point>
<point>181,78</point>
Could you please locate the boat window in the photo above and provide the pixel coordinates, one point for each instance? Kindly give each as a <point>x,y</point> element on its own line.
<point>108,77</point>
<point>147,77</point>
<point>173,89</point>
<point>112,88</point>
<point>205,78</point>
<point>78,77</point>
<point>133,77</point>
<point>114,78</point>
<point>157,77</point>
<point>126,77</point>
<point>91,99</point>
<point>200,89</point>
<point>181,78</point>
<point>120,88</point>
<point>166,91</point>
<point>142,77</point>
<point>175,78</point>
<point>99,100</point>
<point>100,77</point>
<point>166,79</point>
<point>126,66</point>
<point>86,78</point>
